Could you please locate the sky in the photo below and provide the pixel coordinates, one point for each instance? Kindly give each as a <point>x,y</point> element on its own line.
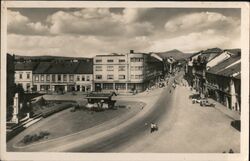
<point>85,32</point>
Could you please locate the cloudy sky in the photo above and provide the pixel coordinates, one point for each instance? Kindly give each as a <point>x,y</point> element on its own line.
<point>86,32</point>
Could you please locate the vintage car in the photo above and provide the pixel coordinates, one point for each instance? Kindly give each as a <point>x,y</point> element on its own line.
<point>195,98</point>
<point>206,103</point>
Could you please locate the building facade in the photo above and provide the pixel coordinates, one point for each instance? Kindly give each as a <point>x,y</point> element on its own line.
<point>125,72</point>
<point>24,74</point>
<point>63,77</point>
<point>57,76</point>
<point>223,82</point>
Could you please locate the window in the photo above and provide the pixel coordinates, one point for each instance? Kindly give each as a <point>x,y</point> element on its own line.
<point>121,60</point>
<point>59,77</point>
<point>36,78</point>
<point>21,76</point>
<point>65,78</point>
<point>71,78</point>
<point>138,76</point>
<point>42,77</point>
<point>28,75</point>
<point>110,60</point>
<point>110,68</point>
<point>78,78</point>
<point>83,78</point>
<point>136,59</point>
<point>121,76</point>
<point>108,86</point>
<point>53,78</point>
<point>132,76</point>
<point>121,68</point>
<point>98,60</point>
<point>138,68</point>
<point>47,78</point>
<point>120,86</point>
<point>88,78</point>
<point>110,76</point>
<point>98,68</point>
<point>98,76</point>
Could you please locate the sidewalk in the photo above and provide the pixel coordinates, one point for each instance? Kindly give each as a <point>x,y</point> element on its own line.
<point>230,113</point>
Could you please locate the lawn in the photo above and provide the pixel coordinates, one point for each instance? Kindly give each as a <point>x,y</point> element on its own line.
<point>67,122</point>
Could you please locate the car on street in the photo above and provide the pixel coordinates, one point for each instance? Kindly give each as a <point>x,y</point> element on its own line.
<point>195,98</point>
<point>206,103</point>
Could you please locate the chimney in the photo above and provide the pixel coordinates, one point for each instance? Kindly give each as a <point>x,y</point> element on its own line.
<point>131,51</point>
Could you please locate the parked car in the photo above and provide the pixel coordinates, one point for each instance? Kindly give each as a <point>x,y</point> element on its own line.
<point>195,98</point>
<point>206,103</point>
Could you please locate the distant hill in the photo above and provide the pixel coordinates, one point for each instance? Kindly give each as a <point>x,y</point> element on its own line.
<point>48,57</point>
<point>176,54</point>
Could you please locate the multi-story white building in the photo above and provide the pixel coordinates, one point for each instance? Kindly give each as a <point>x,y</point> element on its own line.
<point>125,72</point>
<point>24,74</point>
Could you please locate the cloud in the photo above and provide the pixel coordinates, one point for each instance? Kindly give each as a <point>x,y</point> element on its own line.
<point>200,21</point>
<point>66,45</point>
<point>91,31</point>
<point>196,41</point>
<point>19,24</point>
<point>131,15</point>
<point>98,21</point>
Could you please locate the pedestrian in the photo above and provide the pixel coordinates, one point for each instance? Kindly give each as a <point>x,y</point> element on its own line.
<point>151,127</point>
<point>170,91</point>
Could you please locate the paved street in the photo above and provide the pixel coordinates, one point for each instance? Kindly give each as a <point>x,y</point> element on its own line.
<point>188,128</point>
<point>183,127</point>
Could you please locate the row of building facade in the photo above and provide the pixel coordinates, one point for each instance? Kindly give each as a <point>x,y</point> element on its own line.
<point>115,72</point>
<point>216,73</point>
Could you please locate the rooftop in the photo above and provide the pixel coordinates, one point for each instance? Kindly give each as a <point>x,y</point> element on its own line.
<point>82,67</point>
<point>25,66</point>
<point>227,67</point>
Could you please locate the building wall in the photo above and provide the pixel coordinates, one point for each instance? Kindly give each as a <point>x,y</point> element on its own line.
<point>84,82</point>
<point>24,78</point>
<point>133,73</point>
<point>224,90</point>
<point>63,82</point>
<point>110,68</point>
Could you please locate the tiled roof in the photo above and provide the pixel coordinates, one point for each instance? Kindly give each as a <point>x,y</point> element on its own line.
<point>42,67</point>
<point>65,67</point>
<point>234,51</point>
<point>85,67</point>
<point>231,71</point>
<point>25,65</point>
<point>213,50</point>
<point>229,68</point>
<point>62,68</point>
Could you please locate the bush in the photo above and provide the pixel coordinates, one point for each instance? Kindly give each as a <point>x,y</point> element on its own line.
<point>26,139</point>
<point>35,137</point>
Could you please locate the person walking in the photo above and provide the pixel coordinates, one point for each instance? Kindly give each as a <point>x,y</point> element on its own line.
<point>151,127</point>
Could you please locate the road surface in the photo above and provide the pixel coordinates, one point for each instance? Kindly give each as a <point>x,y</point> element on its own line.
<point>183,128</point>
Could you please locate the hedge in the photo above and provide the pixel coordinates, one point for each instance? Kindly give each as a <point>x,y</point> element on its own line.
<point>55,109</point>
